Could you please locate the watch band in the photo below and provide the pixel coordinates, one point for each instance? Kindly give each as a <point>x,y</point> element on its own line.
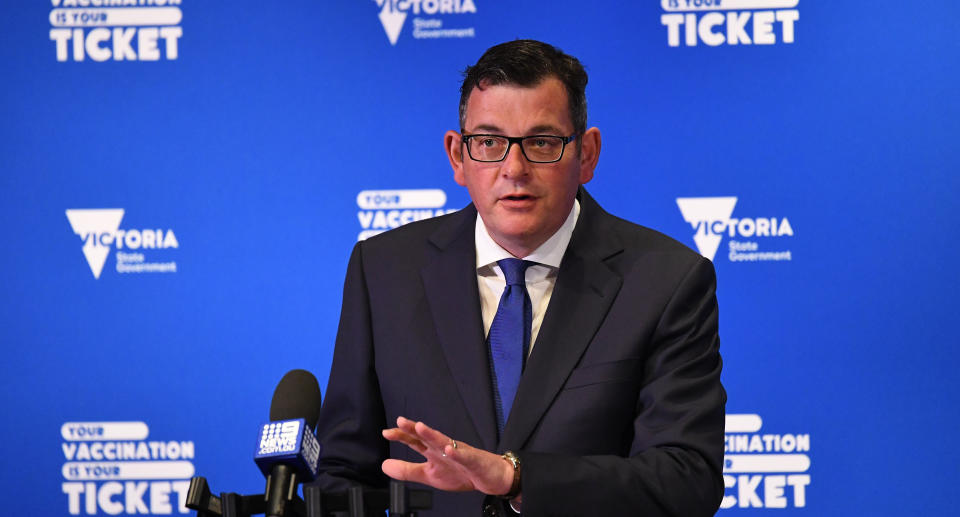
<point>517,467</point>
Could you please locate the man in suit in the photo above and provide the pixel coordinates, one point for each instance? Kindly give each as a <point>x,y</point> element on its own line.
<point>612,404</point>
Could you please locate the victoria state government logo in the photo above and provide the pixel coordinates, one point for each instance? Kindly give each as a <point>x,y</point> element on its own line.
<point>712,218</point>
<point>99,229</point>
<point>426,22</point>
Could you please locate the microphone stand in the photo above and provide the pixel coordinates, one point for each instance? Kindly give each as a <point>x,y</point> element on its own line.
<point>355,502</point>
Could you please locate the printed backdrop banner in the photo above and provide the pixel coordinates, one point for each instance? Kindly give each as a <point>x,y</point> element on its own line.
<point>182,182</point>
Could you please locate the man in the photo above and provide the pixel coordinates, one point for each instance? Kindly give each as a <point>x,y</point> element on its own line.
<point>618,409</point>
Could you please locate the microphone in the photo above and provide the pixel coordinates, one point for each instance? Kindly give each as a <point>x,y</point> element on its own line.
<point>287,449</point>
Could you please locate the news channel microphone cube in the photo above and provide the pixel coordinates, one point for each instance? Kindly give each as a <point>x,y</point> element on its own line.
<point>290,442</point>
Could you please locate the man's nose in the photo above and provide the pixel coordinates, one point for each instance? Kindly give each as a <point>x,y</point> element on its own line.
<point>515,164</point>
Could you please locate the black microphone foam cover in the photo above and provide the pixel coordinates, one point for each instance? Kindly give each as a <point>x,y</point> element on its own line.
<point>297,396</point>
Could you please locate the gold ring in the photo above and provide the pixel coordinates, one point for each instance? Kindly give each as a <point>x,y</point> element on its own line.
<point>453,443</point>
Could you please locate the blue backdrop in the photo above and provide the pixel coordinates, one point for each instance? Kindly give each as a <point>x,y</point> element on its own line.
<point>182,183</point>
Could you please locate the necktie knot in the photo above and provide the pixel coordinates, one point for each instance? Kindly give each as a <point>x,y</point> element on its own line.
<point>514,270</point>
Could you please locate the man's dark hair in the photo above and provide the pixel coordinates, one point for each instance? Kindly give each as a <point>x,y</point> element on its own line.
<point>526,63</point>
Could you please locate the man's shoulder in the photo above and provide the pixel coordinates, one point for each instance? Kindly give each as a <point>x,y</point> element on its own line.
<point>646,257</point>
<point>639,236</point>
<point>633,237</point>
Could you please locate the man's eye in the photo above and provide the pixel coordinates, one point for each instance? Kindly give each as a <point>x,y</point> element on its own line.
<point>544,143</point>
<point>488,142</point>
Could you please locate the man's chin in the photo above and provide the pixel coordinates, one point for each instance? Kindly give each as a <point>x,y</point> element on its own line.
<point>517,235</point>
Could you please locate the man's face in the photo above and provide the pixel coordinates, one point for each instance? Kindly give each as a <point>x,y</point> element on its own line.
<point>522,203</point>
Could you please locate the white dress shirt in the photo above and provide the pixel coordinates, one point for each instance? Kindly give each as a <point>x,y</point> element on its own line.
<point>540,278</point>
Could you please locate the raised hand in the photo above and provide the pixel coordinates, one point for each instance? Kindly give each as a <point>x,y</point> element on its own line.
<point>451,465</point>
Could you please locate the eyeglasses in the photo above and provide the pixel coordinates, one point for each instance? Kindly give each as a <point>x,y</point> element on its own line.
<point>535,148</point>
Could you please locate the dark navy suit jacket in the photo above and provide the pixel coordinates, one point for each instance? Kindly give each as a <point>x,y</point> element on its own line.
<point>620,410</point>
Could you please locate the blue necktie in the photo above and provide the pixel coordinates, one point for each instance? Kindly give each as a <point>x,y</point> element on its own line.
<point>510,336</point>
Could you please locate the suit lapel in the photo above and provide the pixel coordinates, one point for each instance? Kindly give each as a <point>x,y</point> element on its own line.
<point>450,283</point>
<point>582,296</point>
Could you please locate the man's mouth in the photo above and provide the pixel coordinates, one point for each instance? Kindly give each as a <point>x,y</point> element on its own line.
<point>517,197</point>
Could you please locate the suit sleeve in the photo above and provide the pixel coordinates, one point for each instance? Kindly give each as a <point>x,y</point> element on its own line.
<point>352,415</point>
<point>675,462</point>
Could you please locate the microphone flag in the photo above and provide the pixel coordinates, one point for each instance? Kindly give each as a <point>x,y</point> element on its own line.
<point>290,442</point>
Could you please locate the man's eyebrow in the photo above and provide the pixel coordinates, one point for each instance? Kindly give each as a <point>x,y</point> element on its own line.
<point>486,127</point>
<point>543,129</point>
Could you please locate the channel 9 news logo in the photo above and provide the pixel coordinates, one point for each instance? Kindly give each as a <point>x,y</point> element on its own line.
<point>99,229</point>
<point>103,30</point>
<point>277,437</point>
<point>382,210</point>
<point>111,468</point>
<point>729,22</point>
<point>287,441</point>
<point>763,470</point>
<point>712,218</point>
<point>393,14</point>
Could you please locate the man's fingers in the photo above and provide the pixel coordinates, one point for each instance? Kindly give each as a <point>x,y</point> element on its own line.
<point>434,441</point>
<point>450,465</point>
<point>398,435</point>
<point>404,471</point>
<point>406,424</point>
<point>431,436</point>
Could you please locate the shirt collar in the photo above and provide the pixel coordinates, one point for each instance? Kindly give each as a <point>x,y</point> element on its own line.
<point>550,253</point>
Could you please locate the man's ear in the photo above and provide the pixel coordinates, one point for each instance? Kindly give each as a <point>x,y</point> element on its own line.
<point>452,142</point>
<point>589,154</point>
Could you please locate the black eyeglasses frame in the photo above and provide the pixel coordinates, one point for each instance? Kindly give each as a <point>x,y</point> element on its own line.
<point>464,139</point>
